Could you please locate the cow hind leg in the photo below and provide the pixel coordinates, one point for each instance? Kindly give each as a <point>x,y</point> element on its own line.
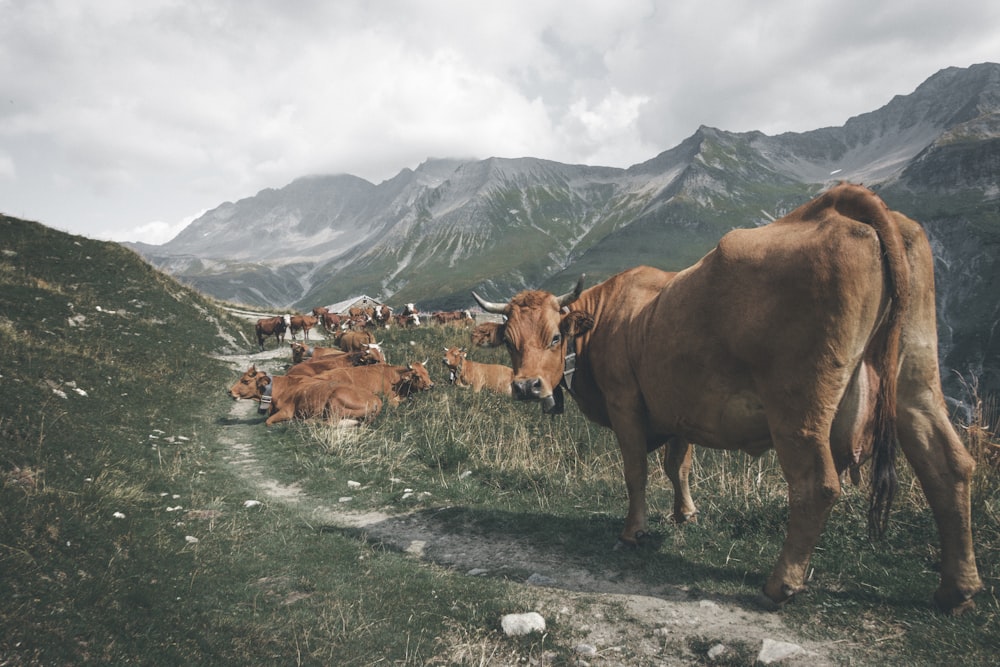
<point>944,469</point>
<point>813,487</point>
<point>677,466</point>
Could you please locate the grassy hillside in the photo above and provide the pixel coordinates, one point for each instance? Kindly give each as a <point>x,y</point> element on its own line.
<point>125,535</point>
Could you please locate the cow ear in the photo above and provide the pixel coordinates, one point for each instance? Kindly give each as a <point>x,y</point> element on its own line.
<point>576,323</point>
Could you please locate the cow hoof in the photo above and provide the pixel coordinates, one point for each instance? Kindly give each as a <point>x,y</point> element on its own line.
<point>767,604</point>
<point>632,543</point>
<point>955,603</point>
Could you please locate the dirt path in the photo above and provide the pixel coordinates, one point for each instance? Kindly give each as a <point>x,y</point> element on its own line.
<point>619,620</point>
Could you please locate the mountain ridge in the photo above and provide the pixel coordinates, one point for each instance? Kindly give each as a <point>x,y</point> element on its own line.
<point>432,234</point>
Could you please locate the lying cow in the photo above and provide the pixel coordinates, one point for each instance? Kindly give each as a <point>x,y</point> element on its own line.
<point>302,352</point>
<point>465,373</point>
<point>815,335</point>
<point>272,326</point>
<point>372,354</point>
<point>284,398</point>
<point>277,393</point>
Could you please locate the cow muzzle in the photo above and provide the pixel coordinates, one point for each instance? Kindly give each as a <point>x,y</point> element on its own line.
<point>527,389</point>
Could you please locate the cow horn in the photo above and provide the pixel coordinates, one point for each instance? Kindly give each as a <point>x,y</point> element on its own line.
<point>570,297</point>
<point>489,306</point>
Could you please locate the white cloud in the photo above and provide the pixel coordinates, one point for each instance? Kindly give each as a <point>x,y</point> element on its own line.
<point>115,112</point>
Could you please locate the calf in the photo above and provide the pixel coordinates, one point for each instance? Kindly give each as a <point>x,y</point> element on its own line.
<point>465,373</point>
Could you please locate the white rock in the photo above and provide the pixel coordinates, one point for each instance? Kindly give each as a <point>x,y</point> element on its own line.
<point>716,651</point>
<point>515,625</point>
<point>585,649</point>
<point>251,503</point>
<point>118,515</point>
<point>351,484</point>
<point>774,651</point>
<point>191,539</point>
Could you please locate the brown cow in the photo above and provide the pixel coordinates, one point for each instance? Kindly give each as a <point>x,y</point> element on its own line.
<point>356,341</point>
<point>302,352</point>
<point>370,355</point>
<point>466,373</point>
<point>462,318</point>
<point>302,323</point>
<point>815,335</point>
<point>272,326</point>
<point>277,393</point>
<point>283,398</point>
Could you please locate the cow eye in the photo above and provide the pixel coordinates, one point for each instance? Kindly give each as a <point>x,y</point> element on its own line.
<point>556,339</point>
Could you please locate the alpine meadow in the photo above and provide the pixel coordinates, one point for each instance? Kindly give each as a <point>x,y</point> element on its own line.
<point>147,517</point>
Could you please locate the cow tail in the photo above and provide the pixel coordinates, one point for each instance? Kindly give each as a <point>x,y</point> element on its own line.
<point>859,203</point>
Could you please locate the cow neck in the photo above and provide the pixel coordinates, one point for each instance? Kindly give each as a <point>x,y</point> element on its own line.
<point>265,397</point>
<point>403,387</point>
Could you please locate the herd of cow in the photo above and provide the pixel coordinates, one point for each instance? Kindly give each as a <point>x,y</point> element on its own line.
<point>814,335</point>
<point>356,319</point>
<point>347,384</point>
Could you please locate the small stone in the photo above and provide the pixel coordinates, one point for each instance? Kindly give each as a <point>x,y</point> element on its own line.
<point>774,651</point>
<point>585,649</point>
<point>716,651</point>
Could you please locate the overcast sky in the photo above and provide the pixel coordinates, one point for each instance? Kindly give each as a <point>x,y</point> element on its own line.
<point>126,119</point>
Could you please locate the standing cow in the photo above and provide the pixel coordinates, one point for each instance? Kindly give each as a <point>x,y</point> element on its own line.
<point>272,326</point>
<point>815,335</point>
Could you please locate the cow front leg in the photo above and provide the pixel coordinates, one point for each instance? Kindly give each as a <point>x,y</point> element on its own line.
<point>635,463</point>
<point>813,487</point>
<point>677,466</point>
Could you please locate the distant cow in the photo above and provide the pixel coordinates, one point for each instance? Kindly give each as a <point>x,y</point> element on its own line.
<point>302,323</point>
<point>815,335</point>
<point>370,355</point>
<point>272,326</point>
<point>461,318</point>
<point>471,374</point>
<point>355,341</point>
<point>302,352</point>
<point>484,335</point>
<point>382,317</point>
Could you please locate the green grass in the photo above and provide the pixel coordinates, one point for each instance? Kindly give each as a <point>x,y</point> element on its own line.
<point>102,490</point>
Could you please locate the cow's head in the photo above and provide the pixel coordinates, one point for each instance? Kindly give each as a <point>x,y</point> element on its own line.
<point>415,378</point>
<point>246,386</point>
<point>298,352</point>
<point>453,358</point>
<point>536,332</point>
<point>372,354</point>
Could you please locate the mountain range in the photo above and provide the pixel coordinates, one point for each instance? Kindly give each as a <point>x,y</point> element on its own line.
<point>432,234</point>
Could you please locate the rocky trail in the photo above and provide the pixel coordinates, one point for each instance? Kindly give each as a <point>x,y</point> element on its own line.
<point>618,619</point>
